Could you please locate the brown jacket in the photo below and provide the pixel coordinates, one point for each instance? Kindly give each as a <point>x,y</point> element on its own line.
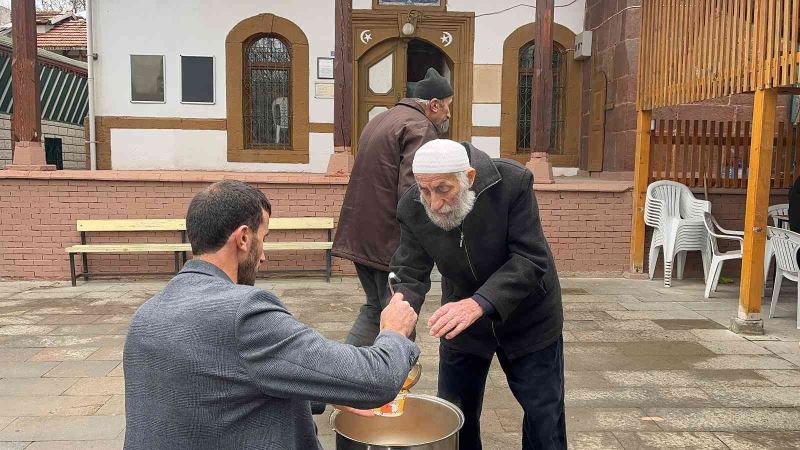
<point>368,232</point>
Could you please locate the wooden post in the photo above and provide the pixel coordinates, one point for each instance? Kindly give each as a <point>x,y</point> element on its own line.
<point>341,161</point>
<point>26,125</point>
<point>641,178</point>
<point>749,320</point>
<point>542,98</point>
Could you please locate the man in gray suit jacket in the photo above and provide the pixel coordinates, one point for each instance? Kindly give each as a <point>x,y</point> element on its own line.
<point>212,362</point>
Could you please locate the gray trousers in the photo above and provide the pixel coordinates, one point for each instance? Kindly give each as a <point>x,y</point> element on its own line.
<point>367,325</point>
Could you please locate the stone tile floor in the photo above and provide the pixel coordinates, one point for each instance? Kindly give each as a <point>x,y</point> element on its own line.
<point>647,366</point>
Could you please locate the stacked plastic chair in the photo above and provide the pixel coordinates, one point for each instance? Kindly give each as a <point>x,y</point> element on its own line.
<point>785,245</point>
<point>676,217</point>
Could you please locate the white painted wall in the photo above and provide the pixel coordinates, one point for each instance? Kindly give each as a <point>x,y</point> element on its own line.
<point>486,114</point>
<point>490,145</point>
<point>199,150</point>
<point>123,28</point>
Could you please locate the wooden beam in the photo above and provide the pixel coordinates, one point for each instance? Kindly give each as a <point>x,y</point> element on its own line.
<point>343,74</point>
<point>641,178</point>
<point>755,217</point>
<point>341,162</point>
<point>542,98</point>
<point>542,95</point>
<point>26,125</point>
<point>788,90</point>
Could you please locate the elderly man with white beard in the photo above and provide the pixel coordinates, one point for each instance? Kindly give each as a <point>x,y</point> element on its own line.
<point>477,219</point>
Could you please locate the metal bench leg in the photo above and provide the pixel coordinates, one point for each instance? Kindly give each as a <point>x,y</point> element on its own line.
<point>328,264</point>
<point>85,258</point>
<point>177,262</point>
<point>72,269</point>
<point>184,256</point>
<point>328,258</point>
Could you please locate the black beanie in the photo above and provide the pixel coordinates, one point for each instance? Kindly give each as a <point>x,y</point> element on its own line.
<point>433,86</point>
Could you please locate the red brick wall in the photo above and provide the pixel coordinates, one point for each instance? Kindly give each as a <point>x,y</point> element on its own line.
<point>615,52</point>
<point>589,231</point>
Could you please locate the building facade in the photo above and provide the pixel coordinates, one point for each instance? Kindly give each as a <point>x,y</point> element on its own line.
<point>186,96</point>
<point>250,87</point>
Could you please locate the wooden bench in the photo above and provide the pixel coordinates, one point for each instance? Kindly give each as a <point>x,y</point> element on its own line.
<point>304,223</point>
<point>180,249</point>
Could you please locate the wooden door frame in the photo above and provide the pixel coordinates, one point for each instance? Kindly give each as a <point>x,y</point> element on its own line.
<point>595,152</point>
<point>394,48</point>
<point>430,27</point>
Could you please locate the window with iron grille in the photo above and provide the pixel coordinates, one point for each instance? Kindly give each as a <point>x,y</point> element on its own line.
<point>267,93</point>
<point>524,99</point>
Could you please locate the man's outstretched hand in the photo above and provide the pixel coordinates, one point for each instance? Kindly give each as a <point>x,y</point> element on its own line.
<point>399,316</point>
<point>453,318</point>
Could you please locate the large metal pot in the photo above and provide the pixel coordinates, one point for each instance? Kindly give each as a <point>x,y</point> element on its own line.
<point>428,423</point>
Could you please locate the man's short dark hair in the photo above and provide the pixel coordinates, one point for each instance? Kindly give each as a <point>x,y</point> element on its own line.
<point>218,210</point>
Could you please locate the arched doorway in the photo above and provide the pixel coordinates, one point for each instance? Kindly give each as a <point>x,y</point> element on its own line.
<point>389,72</point>
<point>387,63</point>
<point>422,56</point>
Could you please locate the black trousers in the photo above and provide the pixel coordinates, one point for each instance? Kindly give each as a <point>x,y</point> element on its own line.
<point>536,380</point>
<point>367,325</point>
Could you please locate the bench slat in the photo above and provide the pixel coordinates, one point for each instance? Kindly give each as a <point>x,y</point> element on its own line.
<point>132,225</point>
<point>129,248</point>
<point>298,246</point>
<point>278,223</point>
<point>154,248</point>
<point>301,223</point>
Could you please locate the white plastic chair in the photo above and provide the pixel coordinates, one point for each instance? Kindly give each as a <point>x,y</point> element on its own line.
<point>778,210</point>
<point>280,116</point>
<point>677,220</point>
<point>718,258</point>
<point>773,211</point>
<point>785,244</point>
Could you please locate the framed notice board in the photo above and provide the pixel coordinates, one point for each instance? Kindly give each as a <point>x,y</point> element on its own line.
<point>147,79</point>
<point>197,79</point>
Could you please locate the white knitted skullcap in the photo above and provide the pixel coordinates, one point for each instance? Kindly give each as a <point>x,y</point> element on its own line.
<point>440,156</point>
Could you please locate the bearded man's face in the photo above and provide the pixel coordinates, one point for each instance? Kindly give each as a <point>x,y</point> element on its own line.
<point>447,198</point>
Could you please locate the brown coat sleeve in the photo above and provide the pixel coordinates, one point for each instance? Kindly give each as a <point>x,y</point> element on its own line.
<point>413,137</point>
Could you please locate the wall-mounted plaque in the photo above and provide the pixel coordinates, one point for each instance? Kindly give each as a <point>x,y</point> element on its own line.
<point>325,68</point>
<point>323,90</point>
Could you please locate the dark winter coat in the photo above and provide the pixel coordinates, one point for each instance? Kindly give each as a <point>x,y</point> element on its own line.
<point>368,232</point>
<point>499,252</point>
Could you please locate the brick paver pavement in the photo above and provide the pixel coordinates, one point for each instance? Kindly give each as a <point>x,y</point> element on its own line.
<point>647,366</point>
